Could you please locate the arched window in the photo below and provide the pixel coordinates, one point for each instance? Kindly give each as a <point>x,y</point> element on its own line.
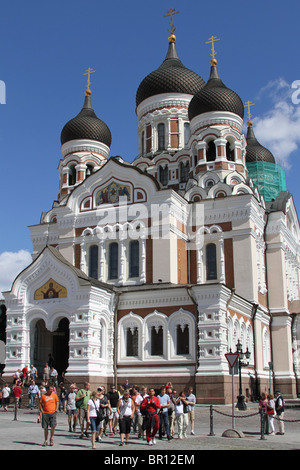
<point>211,262</point>
<point>143,143</point>
<point>211,151</point>
<point>134,258</point>
<point>157,341</point>
<point>72,175</point>
<point>229,153</point>
<point>93,261</point>
<point>164,175</point>
<point>132,336</point>
<point>187,133</point>
<point>113,261</point>
<point>182,340</point>
<point>184,171</point>
<point>89,169</point>
<point>161,137</point>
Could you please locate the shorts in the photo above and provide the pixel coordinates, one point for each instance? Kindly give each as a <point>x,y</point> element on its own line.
<point>72,412</point>
<point>95,426</point>
<point>191,414</point>
<point>82,415</point>
<point>113,413</point>
<point>125,424</point>
<point>48,420</point>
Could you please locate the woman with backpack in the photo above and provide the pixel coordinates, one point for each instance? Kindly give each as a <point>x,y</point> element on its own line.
<point>126,410</point>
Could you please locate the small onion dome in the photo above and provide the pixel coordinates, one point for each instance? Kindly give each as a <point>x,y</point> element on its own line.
<point>215,96</point>
<point>86,125</point>
<point>171,77</point>
<point>254,150</point>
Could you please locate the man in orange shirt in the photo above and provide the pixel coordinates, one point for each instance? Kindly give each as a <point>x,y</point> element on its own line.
<point>49,406</point>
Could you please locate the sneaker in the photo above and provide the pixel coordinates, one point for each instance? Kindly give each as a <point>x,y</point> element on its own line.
<point>150,442</point>
<point>192,432</point>
<point>154,441</point>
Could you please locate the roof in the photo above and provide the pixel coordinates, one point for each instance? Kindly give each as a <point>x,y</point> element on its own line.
<point>171,77</point>
<point>215,96</point>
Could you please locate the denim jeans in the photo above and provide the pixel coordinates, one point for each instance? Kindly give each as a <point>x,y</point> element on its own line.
<point>164,419</point>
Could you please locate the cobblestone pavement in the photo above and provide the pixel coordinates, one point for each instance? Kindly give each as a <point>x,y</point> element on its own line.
<point>24,433</point>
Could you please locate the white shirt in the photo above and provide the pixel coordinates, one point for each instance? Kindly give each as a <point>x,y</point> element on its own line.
<point>5,392</point>
<point>93,408</point>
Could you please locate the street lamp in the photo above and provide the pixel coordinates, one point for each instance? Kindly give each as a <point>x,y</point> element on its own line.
<point>241,405</point>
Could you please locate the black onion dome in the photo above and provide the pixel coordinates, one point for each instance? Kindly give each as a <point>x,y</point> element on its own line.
<point>86,125</point>
<point>171,77</point>
<point>215,96</point>
<point>255,151</point>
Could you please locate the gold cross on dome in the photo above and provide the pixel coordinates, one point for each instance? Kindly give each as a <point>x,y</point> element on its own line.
<point>211,41</point>
<point>248,104</point>
<point>88,73</point>
<point>170,13</point>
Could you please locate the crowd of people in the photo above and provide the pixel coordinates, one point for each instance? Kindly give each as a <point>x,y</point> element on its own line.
<point>147,414</point>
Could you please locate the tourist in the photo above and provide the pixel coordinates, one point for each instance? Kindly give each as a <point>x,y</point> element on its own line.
<point>104,404</point>
<point>279,407</point>
<point>17,395</point>
<point>46,373</point>
<point>53,376</point>
<point>93,418</point>
<point>42,391</point>
<point>164,400</point>
<point>191,400</point>
<point>171,411</point>
<point>126,410</point>
<point>262,408</point>
<point>271,412</point>
<point>5,396</point>
<point>82,397</point>
<point>33,393</point>
<point>49,406</point>
<point>24,375</point>
<point>62,396</point>
<point>33,372</point>
<point>151,405</point>
<point>134,395</point>
<point>141,416</point>
<point>181,415</point>
<point>113,416</point>
<point>70,407</point>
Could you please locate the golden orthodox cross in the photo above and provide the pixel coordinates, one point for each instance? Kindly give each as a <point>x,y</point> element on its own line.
<point>170,13</point>
<point>211,41</point>
<point>248,104</point>
<point>88,73</point>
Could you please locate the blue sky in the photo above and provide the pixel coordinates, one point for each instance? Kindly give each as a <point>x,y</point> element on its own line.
<point>46,47</point>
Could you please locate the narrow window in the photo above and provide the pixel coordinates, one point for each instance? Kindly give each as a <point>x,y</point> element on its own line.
<point>143,143</point>
<point>164,175</point>
<point>72,175</point>
<point>229,153</point>
<point>187,133</point>
<point>211,151</point>
<point>132,337</point>
<point>182,340</point>
<point>93,261</point>
<point>157,338</point>
<point>184,171</point>
<point>134,258</point>
<point>211,262</point>
<point>161,136</point>
<point>113,262</point>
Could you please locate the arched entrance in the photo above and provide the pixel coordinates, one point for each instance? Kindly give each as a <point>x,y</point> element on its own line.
<point>47,343</point>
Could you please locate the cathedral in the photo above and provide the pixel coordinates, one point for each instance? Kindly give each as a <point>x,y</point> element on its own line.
<point>153,270</point>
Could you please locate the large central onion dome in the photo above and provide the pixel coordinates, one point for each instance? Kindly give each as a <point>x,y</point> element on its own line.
<point>255,152</point>
<point>171,77</point>
<point>215,96</point>
<point>86,125</point>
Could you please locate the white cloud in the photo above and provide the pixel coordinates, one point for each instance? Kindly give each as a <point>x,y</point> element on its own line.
<point>11,264</point>
<point>279,128</point>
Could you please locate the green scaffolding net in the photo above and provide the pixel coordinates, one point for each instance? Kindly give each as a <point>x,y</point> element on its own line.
<point>269,178</point>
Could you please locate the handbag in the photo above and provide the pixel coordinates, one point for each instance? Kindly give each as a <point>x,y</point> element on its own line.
<point>100,413</point>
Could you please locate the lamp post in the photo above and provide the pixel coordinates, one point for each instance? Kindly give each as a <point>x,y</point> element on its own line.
<point>241,405</point>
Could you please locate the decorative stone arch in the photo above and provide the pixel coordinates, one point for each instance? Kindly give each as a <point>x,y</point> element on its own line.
<point>182,318</point>
<point>155,321</point>
<point>131,321</point>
